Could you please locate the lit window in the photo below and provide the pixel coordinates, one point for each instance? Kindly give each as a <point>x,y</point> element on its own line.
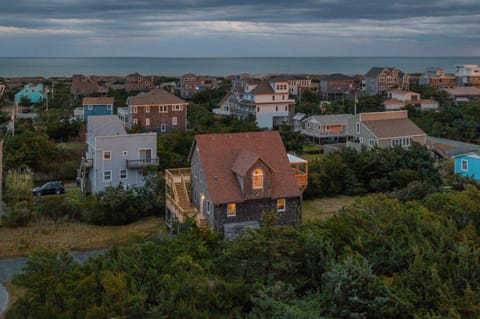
<point>464,165</point>
<point>123,173</point>
<point>107,176</point>
<point>281,205</point>
<point>107,155</point>
<point>257,179</point>
<point>231,209</point>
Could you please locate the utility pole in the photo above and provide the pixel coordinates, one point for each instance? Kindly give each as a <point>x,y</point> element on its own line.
<point>13,121</point>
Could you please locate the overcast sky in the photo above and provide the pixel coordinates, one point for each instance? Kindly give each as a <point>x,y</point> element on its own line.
<point>214,28</point>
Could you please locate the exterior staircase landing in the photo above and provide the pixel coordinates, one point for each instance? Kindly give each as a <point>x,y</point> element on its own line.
<point>179,206</point>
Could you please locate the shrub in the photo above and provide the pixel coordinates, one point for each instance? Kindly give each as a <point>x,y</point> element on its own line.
<point>19,184</point>
<point>18,215</point>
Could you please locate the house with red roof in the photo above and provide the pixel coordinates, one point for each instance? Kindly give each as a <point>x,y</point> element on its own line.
<point>233,179</point>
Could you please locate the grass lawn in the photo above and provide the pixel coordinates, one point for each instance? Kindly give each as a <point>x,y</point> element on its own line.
<point>312,148</point>
<point>73,146</point>
<point>325,207</point>
<point>73,235</point>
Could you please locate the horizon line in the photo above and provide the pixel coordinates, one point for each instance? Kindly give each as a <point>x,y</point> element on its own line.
<point>235,57</point>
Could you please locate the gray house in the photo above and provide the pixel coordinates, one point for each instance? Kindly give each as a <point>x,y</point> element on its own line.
<point>330,127</point>
<point>383,129</point>
<point>233,179</point>
<point>114,157</point>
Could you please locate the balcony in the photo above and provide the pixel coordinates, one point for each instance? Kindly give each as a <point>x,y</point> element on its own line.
<point>300,170</point>
<point>142,163</point>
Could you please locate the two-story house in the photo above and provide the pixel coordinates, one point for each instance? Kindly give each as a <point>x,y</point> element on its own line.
<point>438,78</point>
<point>137,82</point>
<point>96,106</point>
<point>115,157</point>
<point>85,85</point>
<point>266,101</point>
<point>297,84</point>
<point>156,110</point>
<point>233,179</point>
<point>383,129</point>
<point>191,84</point>
<point>338,84</point>
<point>35,93</point>
<point>381,79</point>
<point>468,75</point>
<point>320,128</point>
<point>399,99</point>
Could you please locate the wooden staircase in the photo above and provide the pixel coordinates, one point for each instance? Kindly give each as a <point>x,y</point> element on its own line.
<point>179,181</point>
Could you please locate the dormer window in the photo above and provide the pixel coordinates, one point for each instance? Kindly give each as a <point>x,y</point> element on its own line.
<point>257,179</point>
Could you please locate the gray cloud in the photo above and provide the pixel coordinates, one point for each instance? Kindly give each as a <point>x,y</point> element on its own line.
<point>89,27</point>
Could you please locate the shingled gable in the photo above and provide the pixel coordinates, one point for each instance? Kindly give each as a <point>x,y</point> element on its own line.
<point>245,161</point>
<point>219,153</point>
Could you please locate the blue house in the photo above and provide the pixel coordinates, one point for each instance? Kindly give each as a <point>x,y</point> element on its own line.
<point>35,93</point>
<point>97,106</point>
<point>468,165</point>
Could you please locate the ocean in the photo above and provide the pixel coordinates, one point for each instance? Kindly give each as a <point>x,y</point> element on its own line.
<point>50,67</point>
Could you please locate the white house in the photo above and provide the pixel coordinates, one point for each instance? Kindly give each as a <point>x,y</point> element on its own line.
<point>267,101</point>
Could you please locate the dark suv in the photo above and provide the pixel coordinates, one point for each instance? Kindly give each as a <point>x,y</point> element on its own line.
<point>55,187</point>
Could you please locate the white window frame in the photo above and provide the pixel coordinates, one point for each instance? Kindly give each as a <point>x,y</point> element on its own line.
<point>208,207</point>
<point>147,121</point>
<point>357,128</point>
<point>90,107</point>
<point>464,165</point>
<point>284,205</point>
<point>107,180</point>
<point>372,142</point>
<point>109,155</point>
<point>125,153</point>
<point>163,127</point>
<point>121,171</point>
<point>178,107</point>
<point>229,210</point>
<point>147,109</point>
<point>360,140</point>
<point>135,121</point>
<point>163,109</point>
<point>109,107</point>
<point>135,109</point>
<point>174,120</point>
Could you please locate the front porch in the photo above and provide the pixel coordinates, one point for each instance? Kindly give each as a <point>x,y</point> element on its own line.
<point>179,208</point>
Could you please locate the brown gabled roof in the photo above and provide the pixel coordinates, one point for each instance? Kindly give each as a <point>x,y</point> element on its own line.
<point>393,128</point>
<point>155,96</point>
<point>263,88</point>
<point>98,100</point>
<point>244,161</point>
<point>221,153</point>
